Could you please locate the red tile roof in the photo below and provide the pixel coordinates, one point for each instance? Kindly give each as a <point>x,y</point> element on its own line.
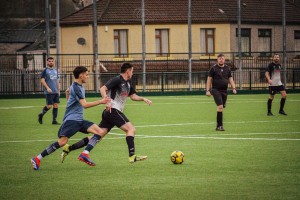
<point>176,11</point>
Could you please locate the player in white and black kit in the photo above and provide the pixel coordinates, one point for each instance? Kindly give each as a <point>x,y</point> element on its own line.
<point>117,89</point>
<point>219,76</point>
<point>275,85</point>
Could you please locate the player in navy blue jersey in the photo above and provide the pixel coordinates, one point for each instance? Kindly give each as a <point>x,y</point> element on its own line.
<point>73,120</point>
<point>51,87</point>
<point>275,85</point>
<point>218,78</point>
<point>118,89</point>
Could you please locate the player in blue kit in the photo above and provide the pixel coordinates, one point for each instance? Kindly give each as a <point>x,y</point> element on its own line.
<point>51,87</point>
<point>74,122</point>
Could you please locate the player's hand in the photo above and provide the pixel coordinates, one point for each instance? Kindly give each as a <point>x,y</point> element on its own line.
<point>270,82</point>
<point>208,93</point>
<point>108,107</point>
<point>234,91</point>
<point>147,101</point>
<point>49,90</point>
<point>105,100</point>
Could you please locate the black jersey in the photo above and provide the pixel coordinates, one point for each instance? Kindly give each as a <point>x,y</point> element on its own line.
<point>220,76</point>
<point>274,71</point>
<point>118,91</point>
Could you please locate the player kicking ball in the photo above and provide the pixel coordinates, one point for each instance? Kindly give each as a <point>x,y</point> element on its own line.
<point>73,120</point>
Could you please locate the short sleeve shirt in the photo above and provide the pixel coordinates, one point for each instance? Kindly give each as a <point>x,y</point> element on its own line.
<point>220,76</point>
<point>51,78</point>
<point>74,110</point>
<point>118,90</point>
<point>274,71</point>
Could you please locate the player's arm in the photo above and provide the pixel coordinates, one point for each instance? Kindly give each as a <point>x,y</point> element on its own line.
<point>232,85</point>
<point>267,74</point>
<point>208,84</point>
<point>43,81</point>
<point>86,104</point>
<point>136,97</point>
<point>58,86</point>
<point>67,92</point>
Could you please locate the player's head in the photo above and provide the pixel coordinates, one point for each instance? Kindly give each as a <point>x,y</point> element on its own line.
<point>50,61</point>
<point>81,73</point>
<point>221,59</point>
<point>276,58</point>
<point>127,70</point>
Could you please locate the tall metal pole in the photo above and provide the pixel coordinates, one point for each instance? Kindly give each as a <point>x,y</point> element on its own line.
<point>143,46</point>
<point>47,31</point>
<point>190,43</point>
<point>57,36</point>
<point>95,36</point>
<point>239,45</point>
<point>284,41</point>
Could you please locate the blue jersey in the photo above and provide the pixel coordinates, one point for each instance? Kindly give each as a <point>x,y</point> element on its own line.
<point>51,78</point>
<point>74,110</point>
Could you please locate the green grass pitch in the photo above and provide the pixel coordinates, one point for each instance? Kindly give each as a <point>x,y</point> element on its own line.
<point>257,157</point>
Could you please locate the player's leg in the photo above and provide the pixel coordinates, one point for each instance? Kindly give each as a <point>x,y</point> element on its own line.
<point>49,150</point>
<point>78,145</point>
<point>55,109</point>
<point>270,100</point>
<point>90,127</point>
<point>282,101</point>
<point>49,103</point>
<point>219,102</point>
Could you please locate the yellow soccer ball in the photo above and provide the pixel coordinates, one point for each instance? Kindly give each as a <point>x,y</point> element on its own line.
<point>177,157</point>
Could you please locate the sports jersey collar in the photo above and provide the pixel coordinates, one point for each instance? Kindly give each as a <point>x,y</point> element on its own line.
<point>77,84</point>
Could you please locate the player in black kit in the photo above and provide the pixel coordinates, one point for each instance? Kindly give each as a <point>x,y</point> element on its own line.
<point>219,76</point>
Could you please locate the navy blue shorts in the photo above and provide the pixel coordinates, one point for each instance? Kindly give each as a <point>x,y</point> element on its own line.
<point>276,89</point>
<point>115,118</point>
<point>220,97</point>
<point>52,98</point>
<point>70,127</point>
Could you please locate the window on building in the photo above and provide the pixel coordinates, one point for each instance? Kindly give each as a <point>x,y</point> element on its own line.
<point>121,43</point>
<point>265,42</point>
<point>207,42</point>
<point>245,41</point>
<point>297,41</point>
<point>162,42</point>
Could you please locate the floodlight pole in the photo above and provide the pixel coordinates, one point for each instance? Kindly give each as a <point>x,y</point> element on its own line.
<point>57,36</point>
<point>47,31</point>
<point>143,46</point>
<point>95,35</point>
<point>190,43</point>
<point>284,41</point>
<point>239,45</point>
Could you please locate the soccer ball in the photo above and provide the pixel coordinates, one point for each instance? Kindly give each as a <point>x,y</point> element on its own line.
<point>177,157</point>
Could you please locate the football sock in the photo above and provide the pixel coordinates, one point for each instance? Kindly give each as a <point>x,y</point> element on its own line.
<point>130,144</point>
<point>83,142</point>
<point>40,157</point>
<point>269,105</point>
<point>282,102</point>
<point>92,143</point>
<point>219,118</point>
<point>54,113</point>
<point>45,109</point>
<point>50,149</point>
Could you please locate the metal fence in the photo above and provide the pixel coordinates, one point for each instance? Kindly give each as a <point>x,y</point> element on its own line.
<point>20,74</point>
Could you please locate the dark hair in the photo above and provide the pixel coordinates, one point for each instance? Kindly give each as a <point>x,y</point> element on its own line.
<point>221,55</point>
<point>125,66</point>
<point>50,58</point>
<point>276,54</point>
<point>78,70</point>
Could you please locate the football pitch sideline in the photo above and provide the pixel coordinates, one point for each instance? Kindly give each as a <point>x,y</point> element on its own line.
<point>256,157</point>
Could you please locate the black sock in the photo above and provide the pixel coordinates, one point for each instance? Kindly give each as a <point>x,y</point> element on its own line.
<point>130,144</point>
<point>45,109</point>
<point>50,149</point>
<point>83,142</point>
<point>270,104</point>
<point>282,102</point>
<point>54,113</point>
<point>219,119</point>
<point>92,142</point>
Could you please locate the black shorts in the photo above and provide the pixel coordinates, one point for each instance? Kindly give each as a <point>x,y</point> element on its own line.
<point>113,118</point>
<point>276,89</point>
<point>220,97</point>
<point>70,127</point>
<point>52,98</point>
